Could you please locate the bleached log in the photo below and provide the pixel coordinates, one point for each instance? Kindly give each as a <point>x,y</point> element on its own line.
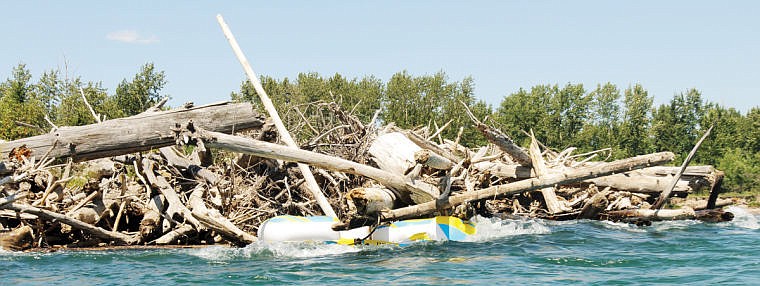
<point>216,221</point>
<point>633,182</point>
<point>426,144</point>
<point>553,205</point>
<point>195,170</point>
<point>136,133</point>
<point>665,195</point>
<point>572,176</point>
<point>152,217</point>
<point>74,223</point>
<point>394,152</point>
<point>501,140</point>
<point>595,205</point>
<point>175,207</point>
<point>432,160</point>
<point>175,235</point>
<point>370,201</point>
<point>502,170</point>
<point>409,191</point>
<point>311,182</point>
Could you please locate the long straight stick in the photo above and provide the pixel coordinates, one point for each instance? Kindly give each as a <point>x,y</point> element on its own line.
<point>665,195</point>
<point>308,177</point>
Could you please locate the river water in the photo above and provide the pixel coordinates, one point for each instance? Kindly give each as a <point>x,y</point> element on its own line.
<point>503,252</point>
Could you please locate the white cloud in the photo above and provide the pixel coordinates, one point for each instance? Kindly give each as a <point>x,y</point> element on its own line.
<point>131,36</point>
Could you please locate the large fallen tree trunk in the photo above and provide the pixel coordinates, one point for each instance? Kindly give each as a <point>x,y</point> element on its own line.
<point>411,191</point>
<point>137,133</point>
<point>535,184</point>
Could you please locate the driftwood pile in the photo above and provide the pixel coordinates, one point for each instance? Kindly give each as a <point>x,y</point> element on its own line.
<point>158,178</point>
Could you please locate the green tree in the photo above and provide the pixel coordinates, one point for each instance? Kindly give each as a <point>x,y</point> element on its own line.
<point>634,139</point>
<point>136,96</point>
<point>19,103</point>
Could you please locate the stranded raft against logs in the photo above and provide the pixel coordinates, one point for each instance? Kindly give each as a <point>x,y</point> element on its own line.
<point>182,196</point>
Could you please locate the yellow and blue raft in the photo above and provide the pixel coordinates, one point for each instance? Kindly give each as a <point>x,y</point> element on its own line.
<point>319,228</point>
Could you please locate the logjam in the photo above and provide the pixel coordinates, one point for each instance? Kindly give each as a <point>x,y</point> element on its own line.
<point>183,194</point>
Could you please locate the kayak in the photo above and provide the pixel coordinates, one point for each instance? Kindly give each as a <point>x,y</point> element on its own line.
<point>289,228</point>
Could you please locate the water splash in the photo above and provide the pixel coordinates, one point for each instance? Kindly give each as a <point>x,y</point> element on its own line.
<point>274,249</point>
<point>494,228</point>
<point>743,218</point>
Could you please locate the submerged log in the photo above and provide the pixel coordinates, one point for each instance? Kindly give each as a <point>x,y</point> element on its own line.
<point>599,170</point>
<point>137,133</point>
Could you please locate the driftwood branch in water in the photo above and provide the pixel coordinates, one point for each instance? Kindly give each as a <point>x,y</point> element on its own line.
<point>137,133</point>
<point>599,170</point>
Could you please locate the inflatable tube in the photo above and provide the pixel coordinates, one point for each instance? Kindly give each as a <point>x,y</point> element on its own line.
<point>319,228</point>
<point>309,228</point>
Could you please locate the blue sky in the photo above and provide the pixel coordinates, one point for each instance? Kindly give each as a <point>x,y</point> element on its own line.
<point>667,46</point>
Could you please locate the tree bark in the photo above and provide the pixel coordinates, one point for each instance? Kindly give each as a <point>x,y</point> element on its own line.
<point>603,169</point>
<point>137,133</point>
<point>394,153</point>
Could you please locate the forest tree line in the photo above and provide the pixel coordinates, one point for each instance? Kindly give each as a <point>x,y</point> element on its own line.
<point>571,115</point>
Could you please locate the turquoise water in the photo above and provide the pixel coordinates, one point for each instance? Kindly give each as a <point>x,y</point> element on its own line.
<point>504,252</point>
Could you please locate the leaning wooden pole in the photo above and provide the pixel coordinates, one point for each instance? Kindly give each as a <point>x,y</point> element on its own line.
<point>665,195</point>
<point>600,170</point>
<point>311,183</point>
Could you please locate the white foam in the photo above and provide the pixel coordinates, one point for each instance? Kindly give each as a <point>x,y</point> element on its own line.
<point>743,218</point>
<point>494,228</point>
<point>274,249</point>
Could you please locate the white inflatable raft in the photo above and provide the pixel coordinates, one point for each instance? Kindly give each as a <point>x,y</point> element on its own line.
<point>319,228</point>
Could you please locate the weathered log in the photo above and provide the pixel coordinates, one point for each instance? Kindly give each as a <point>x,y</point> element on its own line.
<point>18,239</point>
<point>198,172</point>
<point>553,205</point>
<point>581,174</point>
<point>215,221</point>
<point>595,205</point>
<point>151,217</point>
<point>176,234</point>
<point>370,201</point>
<point>141,132</point>
<point>502,170</point>
<point>175,207</point>
<point>394,152</point>
<point>311,182</point>
<point>74,223</point>
<point>715,189</point>
<point>432,160</point>
<point>711,215</point>
<point>634,182</point>
<point>501,140</point>
<point>665,195</point>
<point>410,191</point>
<point>650,214</point>
<point>425,144</point>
